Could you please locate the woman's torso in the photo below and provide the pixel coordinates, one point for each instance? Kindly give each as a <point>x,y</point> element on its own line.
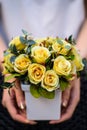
<point>43,17</point>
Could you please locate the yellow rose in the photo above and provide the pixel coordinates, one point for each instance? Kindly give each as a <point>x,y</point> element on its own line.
<point>77,59</point>
<point>18,44</point>
<point>40,54</point>
<point>22,63</point>
<point>41,42</point>
<point>51,40</point>
<point>36,73</point>
<point>50,81</point>
<point>7,69</point>
<point>61,47</point>
<point>62,66</point>
<point>9,63</point>
<point>73,73</point>
<point>45,42</point>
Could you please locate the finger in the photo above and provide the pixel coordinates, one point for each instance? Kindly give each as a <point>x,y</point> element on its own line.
<point>74,99</point>
<point>19,96</point>
<point>65,97</point>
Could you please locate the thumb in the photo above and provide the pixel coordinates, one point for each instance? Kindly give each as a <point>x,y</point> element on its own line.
<point>19,95</point>
<point>65,97</point>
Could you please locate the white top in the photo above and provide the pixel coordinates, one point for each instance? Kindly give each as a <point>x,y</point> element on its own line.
<point>43,17</point>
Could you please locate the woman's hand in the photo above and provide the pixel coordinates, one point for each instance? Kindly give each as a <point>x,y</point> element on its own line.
<point>15,104</point>
<point>70,99</point>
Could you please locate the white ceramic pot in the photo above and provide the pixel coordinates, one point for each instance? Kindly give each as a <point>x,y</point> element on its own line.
<point>42,108</point>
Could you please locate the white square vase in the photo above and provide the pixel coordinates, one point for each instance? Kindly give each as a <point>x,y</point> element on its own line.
<point>42,108</point>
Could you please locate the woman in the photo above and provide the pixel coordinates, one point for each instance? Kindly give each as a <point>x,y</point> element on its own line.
<point>44,18</point>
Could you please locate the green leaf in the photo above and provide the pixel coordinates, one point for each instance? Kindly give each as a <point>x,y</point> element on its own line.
<point>68,47</point>
<point>24,78</point>
<point>13,49</point>
<point>46,94</point>
<point>47,67</point>
<point>50,48</point>
<point>7,85</point>
<point>10,70</point>
<point>12,59</point>
<point>78,74</point>
<point>7,78</point>
<point>48,60</point>
<point>69,76</point>
<point>53,55</point>
<point>28,50</point>
<point>63,84</point>
<point>6,53</point>
<point>23,40</point>
<point>31,42</point>
<point>34,91</point>
<point>49,63</point>
<point>25,32</point>
<point>59,41</point>
<point>70,57</point>
<point>71,40</point>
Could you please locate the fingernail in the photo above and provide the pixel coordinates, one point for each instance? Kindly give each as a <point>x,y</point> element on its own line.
<point>22,106</point>
<point>27,121</point>
<point>51,122</point>
<point>31,122</point>
<point>65,103</point>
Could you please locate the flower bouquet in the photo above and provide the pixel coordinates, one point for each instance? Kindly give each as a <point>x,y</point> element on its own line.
<point>45,68</point>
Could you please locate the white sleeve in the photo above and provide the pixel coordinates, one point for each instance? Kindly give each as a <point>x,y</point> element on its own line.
<point>75,16</point>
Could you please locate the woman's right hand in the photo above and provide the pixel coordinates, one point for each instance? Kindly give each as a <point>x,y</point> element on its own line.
<point>15,104</point>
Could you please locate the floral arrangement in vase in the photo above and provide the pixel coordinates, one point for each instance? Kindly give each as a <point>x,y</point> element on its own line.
<point>46,64</point>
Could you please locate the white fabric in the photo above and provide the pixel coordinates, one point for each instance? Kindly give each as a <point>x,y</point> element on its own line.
<point>43,17</point>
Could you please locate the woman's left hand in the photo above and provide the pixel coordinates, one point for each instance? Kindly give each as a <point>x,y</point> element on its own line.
<point>70,99</point>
